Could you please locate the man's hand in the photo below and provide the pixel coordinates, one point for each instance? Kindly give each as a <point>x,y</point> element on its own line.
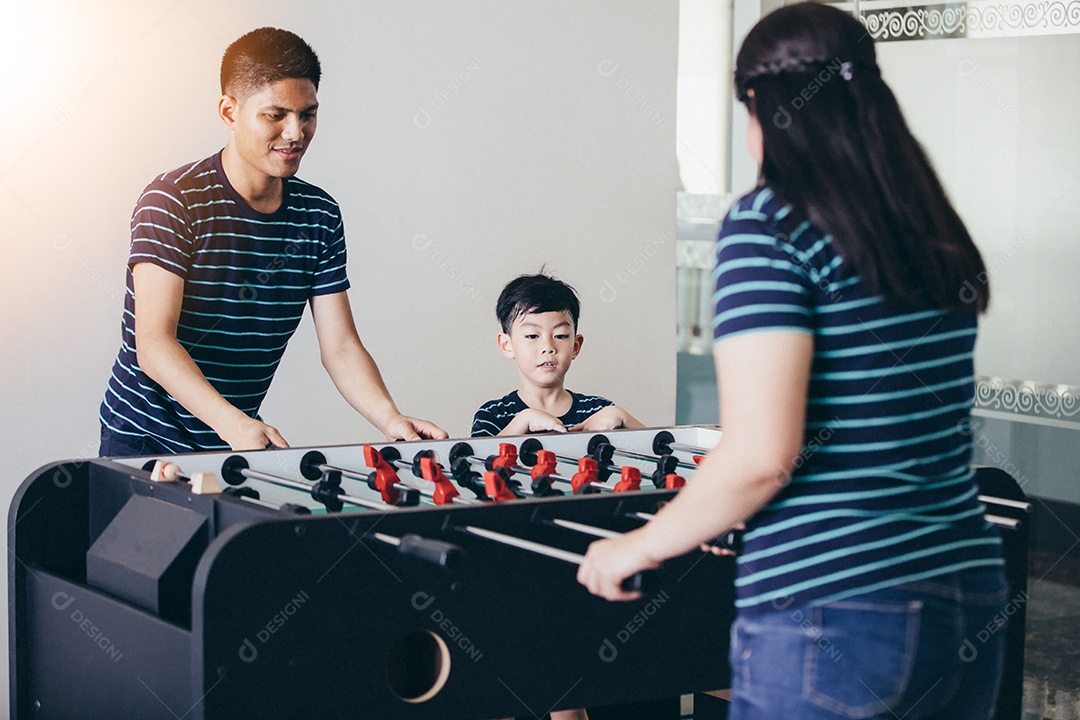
<point>609,418</point>
<point>531,420</point>
<point>251,434</point>
<point>403,427</point>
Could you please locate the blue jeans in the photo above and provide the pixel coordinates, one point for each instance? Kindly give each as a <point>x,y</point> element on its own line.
<point>113,444</point>
<point>929,649</point>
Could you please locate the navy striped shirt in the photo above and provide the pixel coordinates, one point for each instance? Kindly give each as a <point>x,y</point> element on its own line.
<point>494,415</point>
<point>883,492</point>
<point>247,277</point>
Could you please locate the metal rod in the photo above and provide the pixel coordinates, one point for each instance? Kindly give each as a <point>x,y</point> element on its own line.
<point>424,490</point>
<point>427,492</point>
<point>1002,521</point>
<point>389,539</point>
<point>583,528</point>
<point>650,458</point>
<point>345,472</point>
<point>306,487</point>
<point>693,449</point>
<point>519,469</point>
<point>522,544</point>
<point>1018,504</point>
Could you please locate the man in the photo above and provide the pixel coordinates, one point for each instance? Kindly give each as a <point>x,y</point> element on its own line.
<point>225,254</point>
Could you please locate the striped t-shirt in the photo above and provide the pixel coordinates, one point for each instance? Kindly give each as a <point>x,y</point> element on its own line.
<point>883,491</point>
<point>247,277</point>
<point>494,415</point>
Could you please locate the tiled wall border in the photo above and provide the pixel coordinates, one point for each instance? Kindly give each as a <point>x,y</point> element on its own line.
<point>890,22</point>
<point>1029,400</point>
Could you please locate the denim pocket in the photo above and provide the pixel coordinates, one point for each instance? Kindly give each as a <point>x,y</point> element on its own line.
<point>860,663</point>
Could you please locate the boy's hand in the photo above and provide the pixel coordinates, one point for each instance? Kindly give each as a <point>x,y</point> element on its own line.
<point>610,418</point>
<point>531,420</point>
<point>404,427</point>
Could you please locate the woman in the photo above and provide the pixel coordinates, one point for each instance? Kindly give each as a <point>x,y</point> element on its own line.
<point>847,296</point>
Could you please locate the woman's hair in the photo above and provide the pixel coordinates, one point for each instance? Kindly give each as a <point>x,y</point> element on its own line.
<point>836,146</point>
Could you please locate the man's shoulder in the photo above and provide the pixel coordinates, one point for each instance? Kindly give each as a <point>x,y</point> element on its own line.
<point>309,193</point>
<point>179,182</point>
<point>188,174</point>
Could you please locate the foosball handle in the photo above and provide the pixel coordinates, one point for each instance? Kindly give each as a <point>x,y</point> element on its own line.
<point>444,554</point>
<point>644,582</point>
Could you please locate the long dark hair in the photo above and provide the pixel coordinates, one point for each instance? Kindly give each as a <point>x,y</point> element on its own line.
<point>837,147</point>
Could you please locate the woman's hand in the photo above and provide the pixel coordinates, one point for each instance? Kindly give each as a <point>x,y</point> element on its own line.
<point>608,562</point>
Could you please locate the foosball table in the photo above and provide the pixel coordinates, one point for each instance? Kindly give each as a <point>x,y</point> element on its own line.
<point>429,579</point>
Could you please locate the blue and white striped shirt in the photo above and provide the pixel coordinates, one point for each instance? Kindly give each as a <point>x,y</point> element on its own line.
<point>494,415</point>
<point>883,492</point>
<point>247,277</point>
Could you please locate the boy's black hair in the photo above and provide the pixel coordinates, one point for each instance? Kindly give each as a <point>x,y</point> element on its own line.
<point>264,56</point>
<point>540,293</point>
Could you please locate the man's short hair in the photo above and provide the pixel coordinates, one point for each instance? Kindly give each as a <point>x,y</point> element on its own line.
<point>264,56</point>
<point>540,293</point>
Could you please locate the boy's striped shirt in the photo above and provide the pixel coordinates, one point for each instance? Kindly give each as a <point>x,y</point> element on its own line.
<point>494,415</point>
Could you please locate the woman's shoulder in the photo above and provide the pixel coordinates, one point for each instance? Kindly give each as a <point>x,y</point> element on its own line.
<point>762,212</point>
<point>761,205</point>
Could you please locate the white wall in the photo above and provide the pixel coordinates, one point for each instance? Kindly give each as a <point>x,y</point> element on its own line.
<point>999,120</point>
<point>467,142</point>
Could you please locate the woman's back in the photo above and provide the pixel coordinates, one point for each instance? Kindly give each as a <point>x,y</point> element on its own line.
<point>882,492</point>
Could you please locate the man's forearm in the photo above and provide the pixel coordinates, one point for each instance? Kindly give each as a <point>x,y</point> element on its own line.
<point>168,364</point>
<point>357,378</point>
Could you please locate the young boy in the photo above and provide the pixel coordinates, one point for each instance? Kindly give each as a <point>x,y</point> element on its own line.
<point>539,317</point>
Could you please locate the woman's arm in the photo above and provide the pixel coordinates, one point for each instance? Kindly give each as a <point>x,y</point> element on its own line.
<point>763,379</point>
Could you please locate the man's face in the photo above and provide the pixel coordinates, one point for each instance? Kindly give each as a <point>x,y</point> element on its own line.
<point>272,128</point>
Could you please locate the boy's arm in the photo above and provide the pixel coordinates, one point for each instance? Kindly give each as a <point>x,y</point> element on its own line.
<point>609,418</point>
<point>159,295</point>
<point>531,420</point>
<point>355,373</point>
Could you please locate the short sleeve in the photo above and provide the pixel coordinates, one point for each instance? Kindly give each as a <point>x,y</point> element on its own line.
<point>330,274</point>
<point>159,230</point>
<point>483,424</point>
<point>760,284</point>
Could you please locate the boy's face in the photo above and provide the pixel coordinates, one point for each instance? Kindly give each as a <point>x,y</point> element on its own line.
<point>272,128</point>
<point>542,345</point>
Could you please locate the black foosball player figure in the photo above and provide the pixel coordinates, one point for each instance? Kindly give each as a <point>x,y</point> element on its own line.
<point>225,254</point>
<point>539,316</point>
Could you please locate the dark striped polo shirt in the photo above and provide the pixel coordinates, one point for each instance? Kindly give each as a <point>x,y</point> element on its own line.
<point>247,277</point>
<point>883,490</point>
<point>494,415</point>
